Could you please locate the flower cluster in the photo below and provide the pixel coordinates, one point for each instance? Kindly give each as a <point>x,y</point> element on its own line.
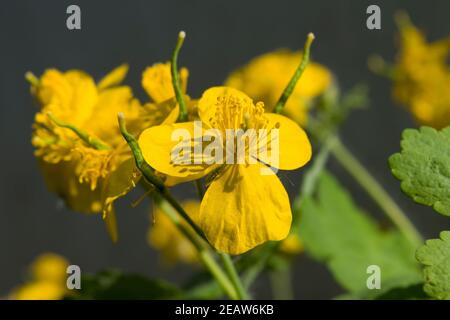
<point>85,159</point>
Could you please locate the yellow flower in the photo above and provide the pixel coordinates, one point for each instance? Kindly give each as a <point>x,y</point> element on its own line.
<point>89,174</point>
<point>165,236</point>
<point>49,267</point>
<point>242,207</point>
<point>47,279</point>
<point>422,76</point>
<point>266,76</point>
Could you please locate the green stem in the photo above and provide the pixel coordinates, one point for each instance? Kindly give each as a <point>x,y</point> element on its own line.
<point>281,284</point>
<point>376,191</point>
<point>298,73</point>
<point>219,275</point>
<point>89,140</point>
<point>183,116</point>
<point>233,275</point>
<point>200,188</point>
<point>205,256</point>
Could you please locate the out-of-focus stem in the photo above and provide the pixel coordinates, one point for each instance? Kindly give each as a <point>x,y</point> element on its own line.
<point>232,273</point>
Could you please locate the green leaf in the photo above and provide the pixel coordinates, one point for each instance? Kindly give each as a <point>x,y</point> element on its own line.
<point>112,284</point>
<point>423,166</point>
<point>336,232</point>
<point>412,292</point>
<point>409,292</point>
<point>202,286</point>
<point>435,256</point>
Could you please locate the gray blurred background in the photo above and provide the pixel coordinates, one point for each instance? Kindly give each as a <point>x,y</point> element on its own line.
<point>221,35</point>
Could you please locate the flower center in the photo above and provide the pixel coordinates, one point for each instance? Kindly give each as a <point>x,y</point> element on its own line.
<point>238,113</point>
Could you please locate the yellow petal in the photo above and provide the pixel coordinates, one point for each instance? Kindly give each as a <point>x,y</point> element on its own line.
<point>111,224</point>
<point>173,115</point>
<point>118,184</point>
<point>294,148</point>
<point>242,209</point>
<point>157,81</point>
<point>103,121</point>
<point>159,142</point>
<point>60,179</point>
<point>114,78</point>
<point>70,96</point>
<point>207,104</point>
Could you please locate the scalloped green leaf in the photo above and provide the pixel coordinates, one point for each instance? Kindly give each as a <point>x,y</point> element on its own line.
<point>435,256</point>
<point>423,167</point>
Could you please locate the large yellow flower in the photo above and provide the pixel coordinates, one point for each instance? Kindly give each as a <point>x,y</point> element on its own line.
<point>165,236</point>
<point>265,77</point>
<point>243,206</point>
<point>47,279</point>
<point>422,76</point>
<point>90,173</point>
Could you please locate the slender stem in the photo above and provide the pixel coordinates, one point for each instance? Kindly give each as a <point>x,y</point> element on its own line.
<point>205,256</point>
<point>176,78</point>
<point>281,283</point>
<point>168,196</point>
<point>376,191</point>
<point>298,73</point>
<point>200,188</point>
<point>219,275</point>
<point>232,273</point>
<point>89,140</point>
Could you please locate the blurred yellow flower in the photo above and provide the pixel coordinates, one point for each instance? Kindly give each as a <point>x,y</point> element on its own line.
<point>47,279</point>
<point>292,245</point>
<point>421,76</point>
<point>242,207</point>
<point>49,267</point>
<point>165,236</point>
<point>265,77</point>
<point>81,152</point>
